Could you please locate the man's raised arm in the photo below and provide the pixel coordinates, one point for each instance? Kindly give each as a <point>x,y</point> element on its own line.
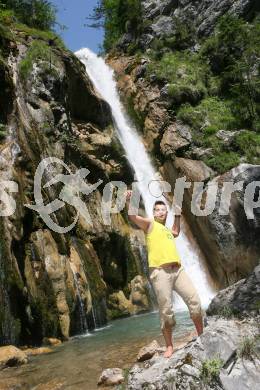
<point>177,221</point>
<point>141,222</point>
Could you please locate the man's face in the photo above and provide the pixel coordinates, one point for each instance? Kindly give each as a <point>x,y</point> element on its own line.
<point>160,213</point>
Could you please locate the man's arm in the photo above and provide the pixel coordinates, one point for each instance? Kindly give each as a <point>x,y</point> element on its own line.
<point>141,222</point>
<point>176,227</point>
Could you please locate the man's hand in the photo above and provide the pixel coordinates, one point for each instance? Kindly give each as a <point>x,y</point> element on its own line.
<point>141,222</point>
<point>128,195</point>
<point>177,210</point>
<point>177,219</point>
<point>175,232</point>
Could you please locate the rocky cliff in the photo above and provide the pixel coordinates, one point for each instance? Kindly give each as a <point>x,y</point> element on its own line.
<point>163,18</point>
<point>54,284</point>
<point>168,78</point>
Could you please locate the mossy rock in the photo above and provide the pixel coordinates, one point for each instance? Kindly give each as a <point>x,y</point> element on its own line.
<point>39,51</point>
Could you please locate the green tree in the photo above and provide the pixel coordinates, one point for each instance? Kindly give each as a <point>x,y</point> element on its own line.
<point>117,17</point>
<point>234,55</point>
<point>39,14</point>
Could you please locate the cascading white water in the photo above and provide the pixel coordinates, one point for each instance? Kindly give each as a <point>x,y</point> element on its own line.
<point>102,77</point>
<point>82,312</point>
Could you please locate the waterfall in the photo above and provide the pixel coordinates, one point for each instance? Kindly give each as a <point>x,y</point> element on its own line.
<point>82,313</point>
<point>144,264</point>
<point>102,77</point>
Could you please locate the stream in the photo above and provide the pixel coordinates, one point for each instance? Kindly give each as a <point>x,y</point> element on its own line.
<point>78,363</point>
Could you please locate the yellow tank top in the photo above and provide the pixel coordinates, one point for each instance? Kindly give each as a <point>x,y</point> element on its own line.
<point>161,246</point>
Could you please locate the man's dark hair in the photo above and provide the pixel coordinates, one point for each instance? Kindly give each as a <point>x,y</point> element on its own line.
<point>159,202</point>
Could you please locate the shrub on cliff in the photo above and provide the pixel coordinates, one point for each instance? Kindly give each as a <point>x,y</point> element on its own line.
<point>210,370</point>
<point>184,73</point>
<point>211,115</point>
<point>248,144</point>
<point>38,51</point>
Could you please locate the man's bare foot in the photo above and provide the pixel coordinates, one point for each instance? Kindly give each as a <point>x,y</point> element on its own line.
<point>169,351</point>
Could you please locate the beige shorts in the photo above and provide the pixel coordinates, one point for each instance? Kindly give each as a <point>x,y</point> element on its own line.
<point>164,281</point>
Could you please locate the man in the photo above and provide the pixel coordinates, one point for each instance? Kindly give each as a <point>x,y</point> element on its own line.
<point>166,271</point>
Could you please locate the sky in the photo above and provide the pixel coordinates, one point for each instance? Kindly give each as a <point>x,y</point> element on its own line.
<point>72,14</point>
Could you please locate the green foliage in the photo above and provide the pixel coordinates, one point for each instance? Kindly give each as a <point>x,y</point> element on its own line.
<point>248,143</point>
<point>117,17</point>
<point>206,119</point>
<point>38,51</point>
<point>2,131</point>
<point>247,348</point>
<point>222,161</point>
<point>216,89</point>
<point>6,16</point>
<point>210,370</point>
<point>211,115</point>
<point>40,34</point>
<point>5,31</point>
<point>226,312</point>
<point>234,53</point>
<point>39,14</point>
<point>185,74</point>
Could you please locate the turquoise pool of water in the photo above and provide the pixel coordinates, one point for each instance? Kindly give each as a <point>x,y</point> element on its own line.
<point>79,362</point>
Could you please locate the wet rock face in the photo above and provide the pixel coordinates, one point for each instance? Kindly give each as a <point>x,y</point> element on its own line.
<point>52,284</point>
<point>81,94</point>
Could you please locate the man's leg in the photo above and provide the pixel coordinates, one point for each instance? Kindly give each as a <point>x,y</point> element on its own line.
<point>184,287</point>
<point>198,322</point>
<point>162,284</point>
<point>167,334</point>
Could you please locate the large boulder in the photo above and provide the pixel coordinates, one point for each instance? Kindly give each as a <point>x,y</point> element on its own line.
<point>148,351</point>
<point>176,139</point>
<point>119,305</point>
<point>111,377</point>
<point>242,297</point>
